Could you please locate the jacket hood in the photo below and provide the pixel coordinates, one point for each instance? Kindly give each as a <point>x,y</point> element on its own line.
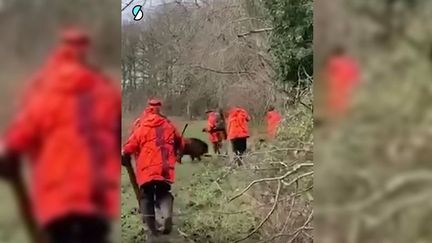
<point>64,72</point>
<point>152,120</point>
<point>149,110</point>
<point>237,111</point>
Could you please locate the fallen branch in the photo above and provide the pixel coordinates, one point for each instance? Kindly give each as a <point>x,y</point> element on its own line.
<point>292,204</point>
<point>220,71</point>
<point>296,179</point>
<point>186,236</point>
<point>393,185</point>
<point>299,230</point>
<point>307,106</point>
<point>398,206</point>
<point>277,150</point>
<point>295,169</point>
<point>267,216</point>
<point>295,233</point>
<point>254,32</point>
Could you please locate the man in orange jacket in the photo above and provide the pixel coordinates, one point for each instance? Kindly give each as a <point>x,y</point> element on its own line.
<point>216,129</point>
<point>238,130</point>
<point>157,146</point>
<point>273,121</point>
<point>69,127</point>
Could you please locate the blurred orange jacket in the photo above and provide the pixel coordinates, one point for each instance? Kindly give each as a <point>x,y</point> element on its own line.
<point>342,76</point>
<point>237,126</point>
<point>156,143</point>
<point>211,125</point>
<point>273,121</point>
<point>70,128</point>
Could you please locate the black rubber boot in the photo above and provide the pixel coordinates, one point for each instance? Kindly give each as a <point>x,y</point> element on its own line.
<point>166,205</point>
<point>148,212</point>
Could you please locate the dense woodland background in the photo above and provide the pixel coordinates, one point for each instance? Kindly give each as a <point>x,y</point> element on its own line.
<point>207,54</point>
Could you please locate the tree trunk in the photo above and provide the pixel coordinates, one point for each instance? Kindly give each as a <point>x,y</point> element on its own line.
<point>188,110</point>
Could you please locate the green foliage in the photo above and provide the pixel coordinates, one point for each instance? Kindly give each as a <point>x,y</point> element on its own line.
<point>297,127</point>
<point>209,215</point>
<point>291,42</point>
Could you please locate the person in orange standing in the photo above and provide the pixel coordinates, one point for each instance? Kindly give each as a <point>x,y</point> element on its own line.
<point>157,146</point>
<point>342,75</point>
<point>238,130</point>
<point>273,120</point>
<point>216,129</point>
<point>69,128</point>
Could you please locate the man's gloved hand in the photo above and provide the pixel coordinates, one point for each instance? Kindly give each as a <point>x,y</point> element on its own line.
<point>126,159</point>
<point>179,157</point>
<point>9,164</point>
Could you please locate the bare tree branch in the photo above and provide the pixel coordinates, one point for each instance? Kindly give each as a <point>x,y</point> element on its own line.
<point>267,216</point>
<point>295,169</point>
<point>391,186</point>
<point>221,71</point>
<point>307,106</point>
<point>295,233</point>
<point>127,5</point>
<point>254,32</point>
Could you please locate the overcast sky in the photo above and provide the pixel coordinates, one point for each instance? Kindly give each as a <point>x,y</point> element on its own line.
<point>127,13</point>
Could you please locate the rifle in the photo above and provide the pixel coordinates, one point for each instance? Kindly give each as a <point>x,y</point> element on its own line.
<point>180,153</point>
<point>131,173</point>
<point>19,190</point>
<point>31,225</point>
<point>184,129</point>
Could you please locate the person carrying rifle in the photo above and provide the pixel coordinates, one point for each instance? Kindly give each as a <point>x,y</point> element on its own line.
<point>157,146</point>
<point>69,129</point>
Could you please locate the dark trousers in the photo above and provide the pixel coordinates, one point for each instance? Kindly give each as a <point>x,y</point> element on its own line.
<point>239,146</point>
<point>78,229</point>
<point>156,194</point>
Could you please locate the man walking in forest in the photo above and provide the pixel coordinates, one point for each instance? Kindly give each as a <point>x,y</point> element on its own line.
<point>69,127</point>
<point>216,129</point>
<point>273,120</point>
<point>342,75</point>
<point>157,146</point>
<point>238,131</point>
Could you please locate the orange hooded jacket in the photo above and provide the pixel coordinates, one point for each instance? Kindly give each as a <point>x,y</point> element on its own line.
<point>69,126</point>
<point>273,121</point>
<point>237,125</point>
<point>155,143</point>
